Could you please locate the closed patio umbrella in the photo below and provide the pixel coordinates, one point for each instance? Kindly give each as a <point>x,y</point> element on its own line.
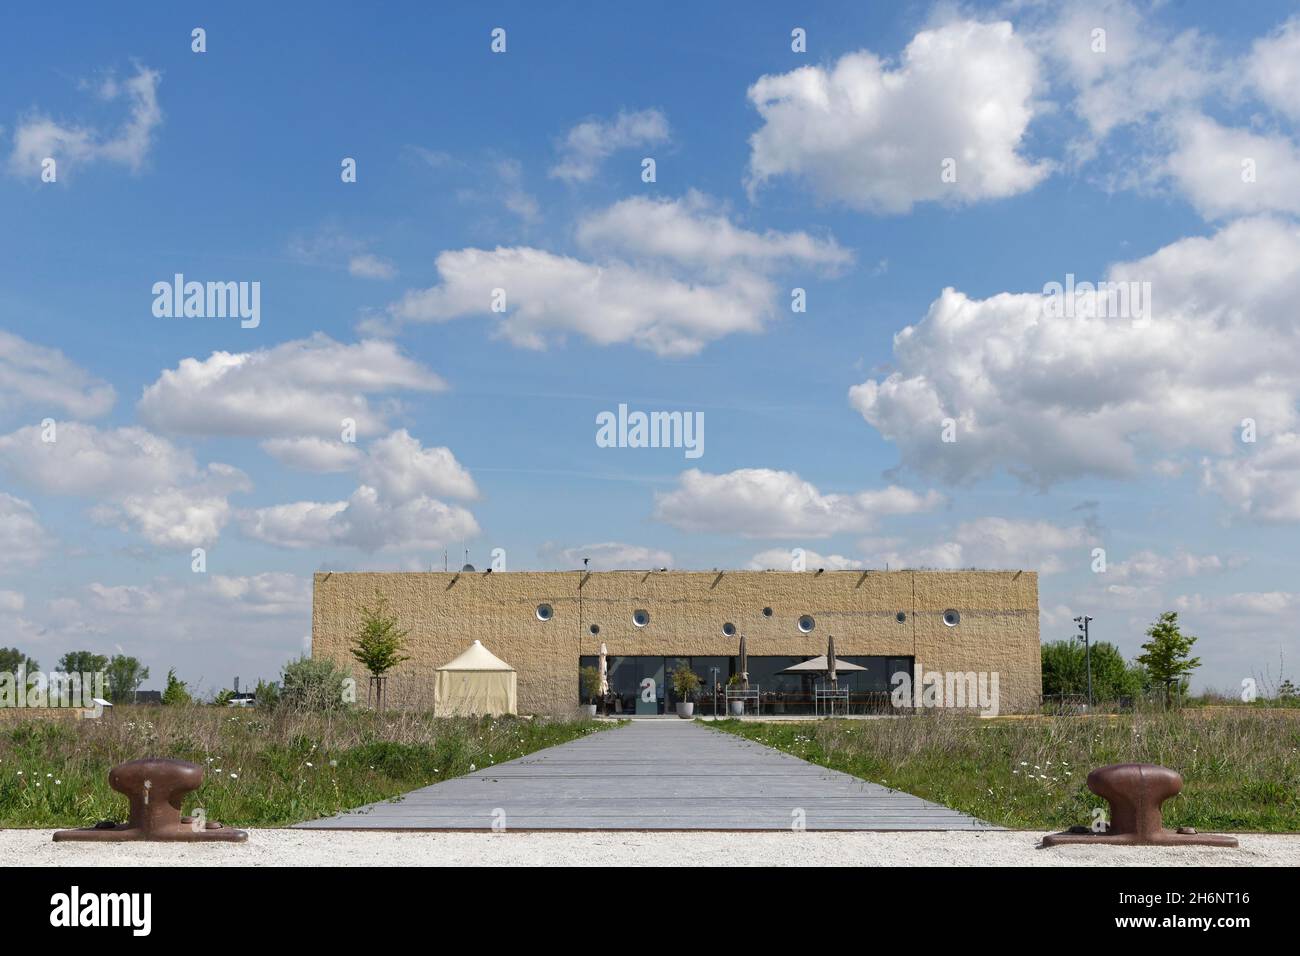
<point>604,670</point>
<point>744,664</point>
<point>830,661</point>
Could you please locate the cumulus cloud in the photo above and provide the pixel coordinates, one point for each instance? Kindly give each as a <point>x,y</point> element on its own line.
<point>763,503</point>
<point>636,288</point>
<point>399,468</point>
<point>34,376</point>
<point>1262,484</point>
<point>588,144</point>
<point>782,559</point>
<point>300,388</point>
<point>874,135</point>
<point>141,482</point>
<point>313,454</point>
<point>1122,66</point>
<point>392,510</point>
<point>38,136</point>
<point>998,543</point>
<point>605,556</point>
<point>1230,172</point>
<point>1048,398</point>
<point>23,540</point>
<point>1273,68</point>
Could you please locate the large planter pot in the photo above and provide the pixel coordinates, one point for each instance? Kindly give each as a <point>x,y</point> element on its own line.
<point>737,708</point>
<point>686,710</point>
<point>588,710</point>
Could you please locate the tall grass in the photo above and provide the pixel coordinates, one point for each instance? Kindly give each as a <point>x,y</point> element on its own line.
<point>1240,766</point>
<point>263,769</point>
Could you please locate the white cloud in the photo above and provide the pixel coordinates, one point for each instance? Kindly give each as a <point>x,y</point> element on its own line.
<point>999,543</point>
<point>87,461</point>
<point>763,503</point>
<point>605,556</point>
<point>23,540</point>
<point>668,301</point>
<point>141,482</point>
<point>392,510</point>
<point>1261,484</point>
<point>182,517</point>
<point>1150,566</point>
<point>123,598</point>
<point>1143,69</point>
<point>267,594</point>
<point>365,521</point>
<point>1273,67</point>
<point>874,136</point>
<point>34,376</point>
<point>38,136</point>
<point>589,143</point>
<point>369,266</point>
<point>781,559</point>
<point>1208,165</point>
<point>313,454</point>
<point>304,387</point>
<point>693,232</point>
<point>1052,398</point>
<point>400,469</point>
<point>12,602</point>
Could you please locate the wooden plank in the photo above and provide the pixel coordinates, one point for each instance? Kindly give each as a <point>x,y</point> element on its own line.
<point>655,775</point>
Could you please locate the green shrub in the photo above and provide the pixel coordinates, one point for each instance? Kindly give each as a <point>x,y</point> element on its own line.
<point>314,683</point>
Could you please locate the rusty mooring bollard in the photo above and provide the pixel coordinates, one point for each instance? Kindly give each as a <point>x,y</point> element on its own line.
<point>1135,792</point>
<point>155,788</point>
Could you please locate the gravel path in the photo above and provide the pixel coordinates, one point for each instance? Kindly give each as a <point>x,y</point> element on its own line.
<point>353,848</point>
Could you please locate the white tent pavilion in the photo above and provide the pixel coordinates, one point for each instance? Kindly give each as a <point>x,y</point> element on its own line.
<point>477,682</point>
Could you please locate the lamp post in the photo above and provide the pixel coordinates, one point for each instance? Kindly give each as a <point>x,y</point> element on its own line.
<point>1082,621</point>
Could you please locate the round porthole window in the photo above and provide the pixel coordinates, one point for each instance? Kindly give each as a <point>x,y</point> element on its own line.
<point>806,623</point>
<point>640,618</point>
<point>728,630</point>
<point>595,629</point>
<point>767,612</point>
<point>901,617</point>
<point>545,612</point>
<point>951,618</point>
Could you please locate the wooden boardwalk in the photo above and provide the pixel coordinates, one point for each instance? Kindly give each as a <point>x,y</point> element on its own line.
<point>654,775</point>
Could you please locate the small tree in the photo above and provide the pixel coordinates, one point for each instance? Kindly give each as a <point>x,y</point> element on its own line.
<point>686,683</point>
<point>378,646</point>
<point>125,675</point>
<point>83,662</point>
<point>590,678</point>
<point>12,660</point>
<point>1167,655</point>
<point>176,693</point>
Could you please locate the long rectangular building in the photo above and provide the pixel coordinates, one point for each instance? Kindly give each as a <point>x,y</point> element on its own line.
<point>549,624</point>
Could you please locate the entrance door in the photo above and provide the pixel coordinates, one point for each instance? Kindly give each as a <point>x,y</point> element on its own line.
<point>650,684</point>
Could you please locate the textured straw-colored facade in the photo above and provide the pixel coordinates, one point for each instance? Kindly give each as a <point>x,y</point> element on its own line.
<point>997,629</point>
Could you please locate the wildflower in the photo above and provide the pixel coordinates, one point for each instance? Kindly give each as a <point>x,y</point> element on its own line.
<point>309,763</point>
<point>234,776</point>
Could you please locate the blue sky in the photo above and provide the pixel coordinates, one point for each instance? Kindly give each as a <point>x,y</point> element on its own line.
<point>522,170</point>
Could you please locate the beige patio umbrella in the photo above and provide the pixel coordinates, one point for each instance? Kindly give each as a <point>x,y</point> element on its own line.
<point>744,665</point>
<point>604,670</point>
<point>830,661</point>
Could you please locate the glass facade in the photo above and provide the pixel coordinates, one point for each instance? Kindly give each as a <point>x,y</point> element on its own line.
<point>641,685</point>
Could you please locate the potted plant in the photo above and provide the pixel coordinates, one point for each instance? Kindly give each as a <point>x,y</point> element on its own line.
<point>735,707</point>
<point>686,683</point>
<point>590,680</point>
